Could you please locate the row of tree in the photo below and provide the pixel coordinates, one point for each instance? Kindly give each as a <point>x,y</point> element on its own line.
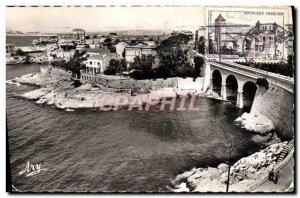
<point>286,69</point>
<point>173,61</point>
<point>142,68</point>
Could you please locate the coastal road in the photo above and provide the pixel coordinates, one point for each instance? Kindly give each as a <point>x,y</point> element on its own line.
<point>287,176</point>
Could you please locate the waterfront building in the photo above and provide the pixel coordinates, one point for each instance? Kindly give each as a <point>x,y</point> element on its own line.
<point>95,64</point>
<point>98,60</point>
<point>60,54</point>
<point>51,46</point>
<point>45,41</point>
<point>10,49</point>
<point>68,40</point>
<point>79,35</point>
<point>33,50</point>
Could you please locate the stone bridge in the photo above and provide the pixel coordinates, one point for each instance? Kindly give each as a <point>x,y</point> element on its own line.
<point>244,75</point>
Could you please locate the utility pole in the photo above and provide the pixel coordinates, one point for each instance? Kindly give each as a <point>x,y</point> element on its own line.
<point>229,165</point>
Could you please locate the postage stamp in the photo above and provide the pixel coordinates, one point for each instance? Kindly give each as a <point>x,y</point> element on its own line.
<point>265,42</point>
<point>249,34</point>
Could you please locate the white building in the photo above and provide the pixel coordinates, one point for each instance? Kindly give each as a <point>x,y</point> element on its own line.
<point>10,48</point>
<point>120,47</point>
<point>95,64</point>
<point>138,50</point>
<point>98,60</point>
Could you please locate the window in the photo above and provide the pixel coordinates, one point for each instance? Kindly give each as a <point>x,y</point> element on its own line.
<point>91,62</point>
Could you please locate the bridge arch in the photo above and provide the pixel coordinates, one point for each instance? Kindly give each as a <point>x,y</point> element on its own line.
<point>232,84</point>
<point>249,91</point>
<point>231,89</point>
<point>216,81</point>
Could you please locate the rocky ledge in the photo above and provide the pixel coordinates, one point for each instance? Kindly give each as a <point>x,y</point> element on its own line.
<point>255,122</point>
<point>242,174</point>
<point>57,89</point>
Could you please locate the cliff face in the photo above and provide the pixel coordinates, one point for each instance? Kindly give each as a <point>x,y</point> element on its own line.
<point>277,104</point>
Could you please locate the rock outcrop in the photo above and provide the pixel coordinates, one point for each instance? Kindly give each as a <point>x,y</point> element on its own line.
<point>56,89</point>
<point>244,172</point>
<point>255,122</point>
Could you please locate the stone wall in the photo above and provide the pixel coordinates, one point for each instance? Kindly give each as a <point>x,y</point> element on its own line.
<point>155,84</point>
<point>55,71</point>
<point>276,103</point>
<point>128,83</point>
<point>190,83</point>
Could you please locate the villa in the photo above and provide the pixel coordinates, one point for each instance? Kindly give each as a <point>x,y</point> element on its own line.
<point>67,40</point>
<point>10,48</point>
<point>98,60</point>
<point>132,51</point>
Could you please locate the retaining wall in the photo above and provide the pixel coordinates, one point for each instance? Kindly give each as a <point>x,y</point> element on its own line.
<point>276,103</point>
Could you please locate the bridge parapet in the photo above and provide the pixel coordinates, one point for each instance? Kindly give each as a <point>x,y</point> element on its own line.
<point>243,74</point>
<point>283,81</point>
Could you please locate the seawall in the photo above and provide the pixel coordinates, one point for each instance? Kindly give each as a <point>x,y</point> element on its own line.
<point>276,103</point>
<point>128,83</point>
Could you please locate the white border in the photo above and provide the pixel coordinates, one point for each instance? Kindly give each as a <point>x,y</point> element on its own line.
<point>116,2</point>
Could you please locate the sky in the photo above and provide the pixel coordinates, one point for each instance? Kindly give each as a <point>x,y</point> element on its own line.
<point>97,19</point>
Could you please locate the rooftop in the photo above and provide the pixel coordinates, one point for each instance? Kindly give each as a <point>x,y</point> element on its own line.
<point>220,18</point>
<point>96,56</point>
<point>98,50</point>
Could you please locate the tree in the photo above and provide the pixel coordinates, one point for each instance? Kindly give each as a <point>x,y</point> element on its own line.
<point>76,63</point>
<point>199,62</point>
<point>211,47</point>
<point>263,82</point>
<point>173,53</point>
<point>143,67</point>
<point>116,66</point>
<point>163,72</point>
<point>200,45</point>
<point>60,64</point>
<point>289,68</point>
<point>20,52</point>
<point>283,67</point>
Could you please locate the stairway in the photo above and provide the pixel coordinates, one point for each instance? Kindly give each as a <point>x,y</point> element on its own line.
<point>286,151</point>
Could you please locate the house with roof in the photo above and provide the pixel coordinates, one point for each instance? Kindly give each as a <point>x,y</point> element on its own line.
<point>98,60</point>
<point>10,49</point>
<point>131,51</point>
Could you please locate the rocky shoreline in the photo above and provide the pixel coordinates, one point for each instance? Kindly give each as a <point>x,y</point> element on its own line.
<point>58,91</point>
<point>243,173</point>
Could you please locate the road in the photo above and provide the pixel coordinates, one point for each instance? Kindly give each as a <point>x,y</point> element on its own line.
<point>287,176</point>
